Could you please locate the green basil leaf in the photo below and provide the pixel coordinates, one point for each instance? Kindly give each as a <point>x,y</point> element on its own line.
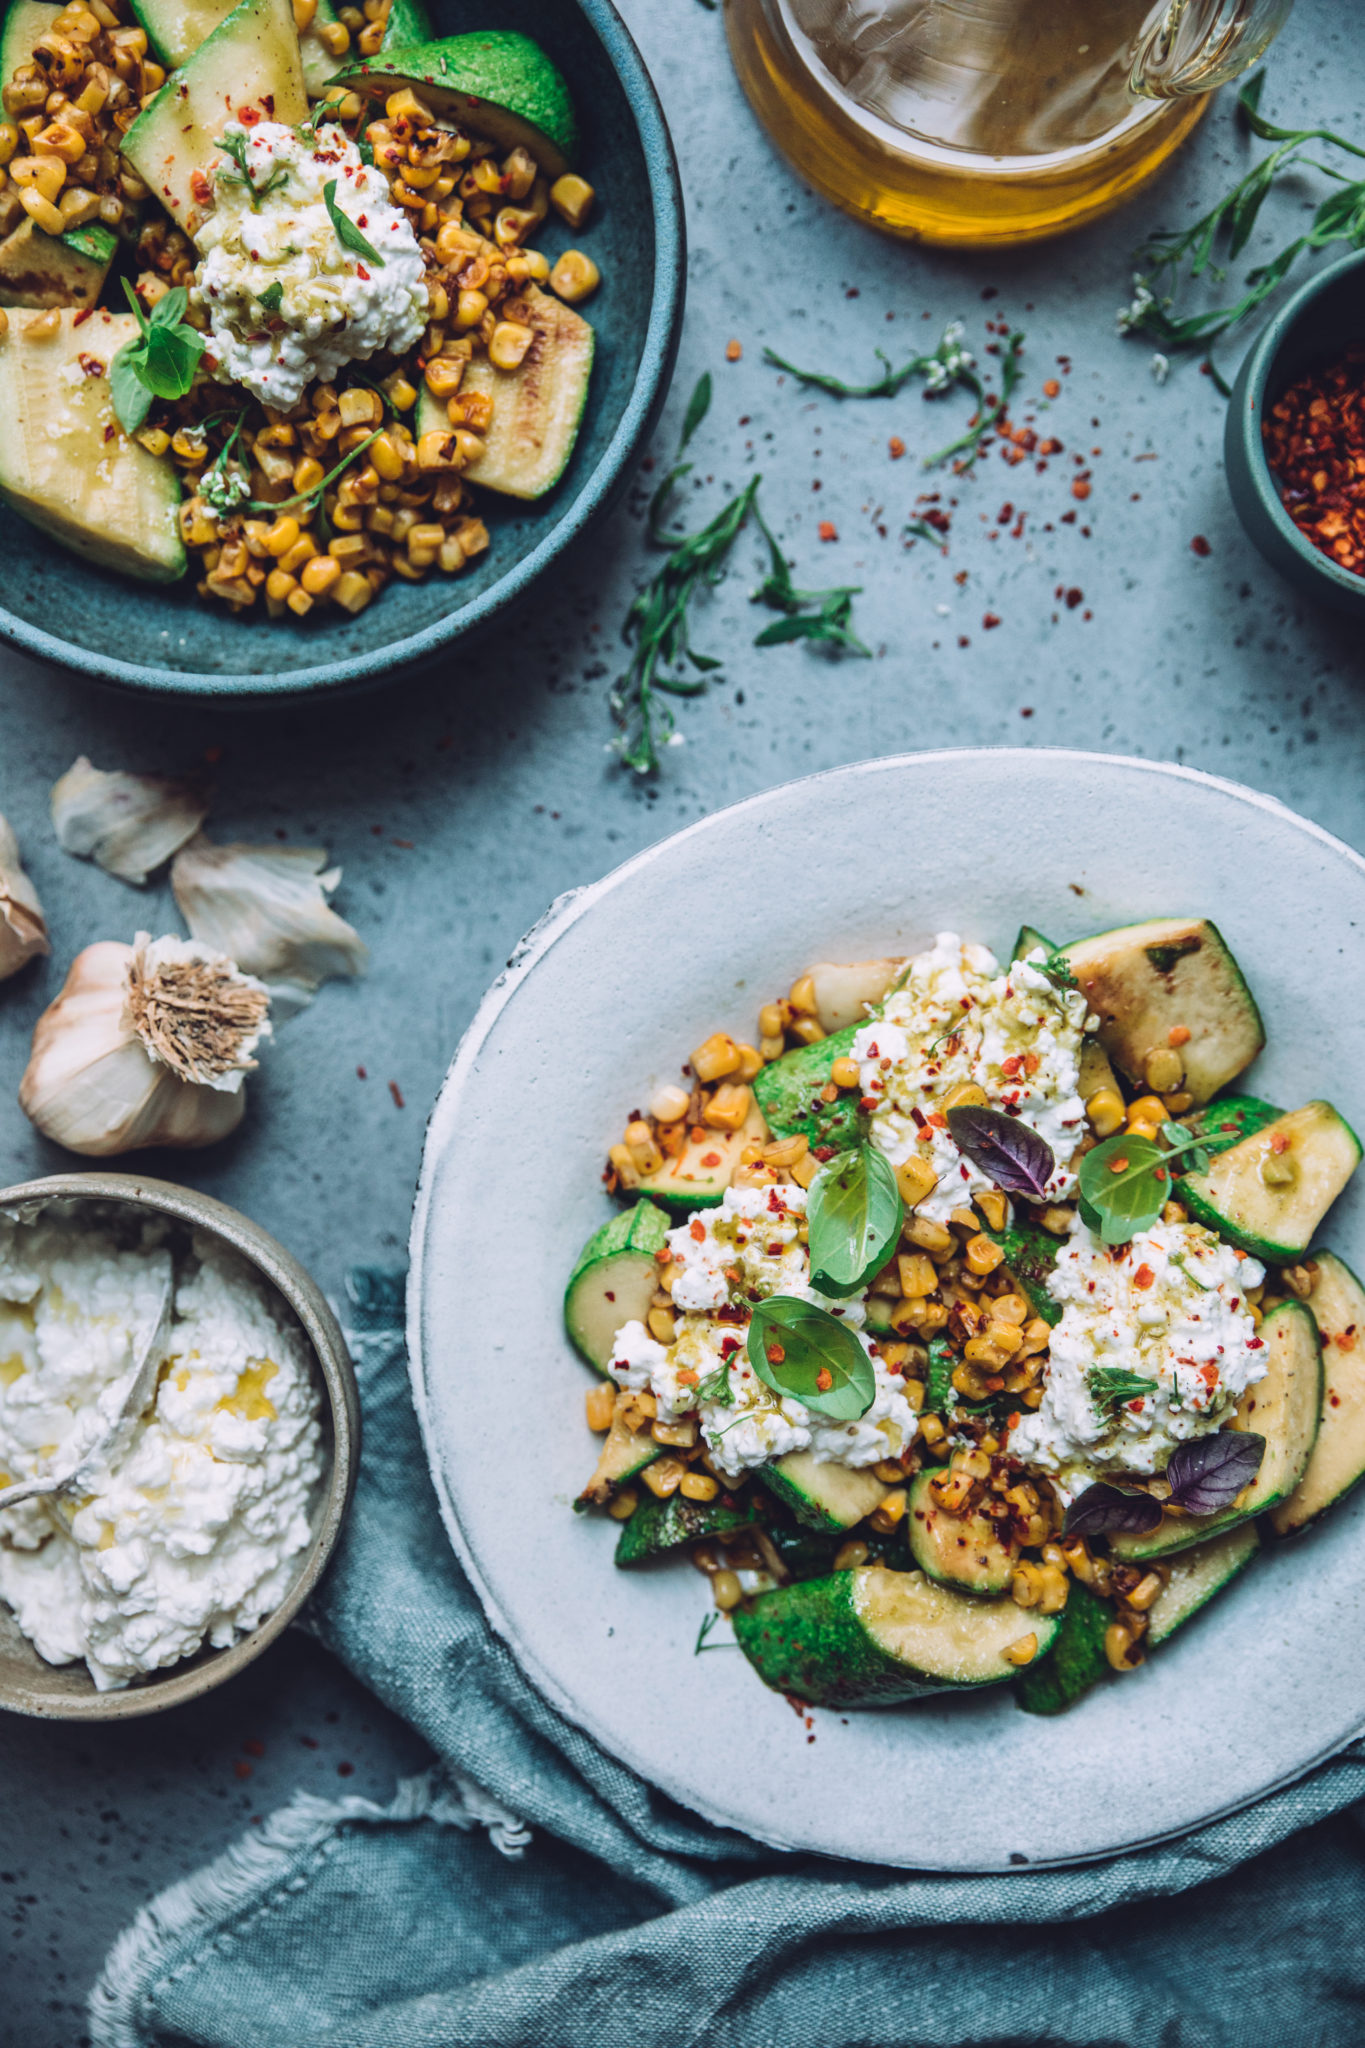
<point>169,310</point>
<point>171,358</point>
<point>698,405</point>
<point>805,1354</point>
<point>139,310</point>
<point>1118,1181</point>
<point>940,1395</point>
<point>272,297</point>
<point>347,233</point>
<point>132,400</point>
<point>854,1212</point>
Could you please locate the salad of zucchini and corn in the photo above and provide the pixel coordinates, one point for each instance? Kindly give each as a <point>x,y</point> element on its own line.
<point>273,313</point>
<point>966,1328</point>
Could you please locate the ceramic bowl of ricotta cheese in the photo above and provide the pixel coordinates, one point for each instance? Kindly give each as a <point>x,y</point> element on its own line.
<point>184,1541</point>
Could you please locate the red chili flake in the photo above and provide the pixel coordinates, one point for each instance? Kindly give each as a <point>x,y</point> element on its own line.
<point>1052,389</point>
<point>91,366</point>
<point>109,432</point>
<point>254,1746</point>
<point>828,530</point>
<point>990,620</point>
<point>241,1770</point>
<point>1200,546</point>
<point>895,447</point>
<point>248,116</point>
<point>698,1230</point>
<point>362,272</point>
<point>397,1094</point>
<point>773,1352</point>
<point>345,1770</point>
<point>1079,487</point>
<point>733,351</point>
<point>824,1153</point>
<point>710,1158</point>
<point>867,1103</point>
<point>1144,1276</point>
<point>686,1376</point>
<point>728,1347</point>
<point>824,1379</point>
<point>1118,1165</point>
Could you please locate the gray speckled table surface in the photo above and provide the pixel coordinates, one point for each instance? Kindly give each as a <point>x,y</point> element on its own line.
<point>460,806</point>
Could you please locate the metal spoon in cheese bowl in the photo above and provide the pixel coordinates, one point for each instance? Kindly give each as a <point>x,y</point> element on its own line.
<point>184,1384</point>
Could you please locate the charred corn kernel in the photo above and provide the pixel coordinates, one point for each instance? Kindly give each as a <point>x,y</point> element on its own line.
<point>360,408</point>
<point>1056,1219</point>
<point>622,1505</point>
<point>1179,1102</point>
<point>993,1207</point>
<point>1163,1070</point>
<point>429,537</point>
<point>785,1152</point>
<point>773,1020</point>
<point>450,555</point>
<point>77,206</point>
<point>44,175</point>
<point>931,1237</point>
<point>728,1107</point>
<point>916,1274</point>
<point>402,395</point>
<point>805,1170</point>
<point>1138,1128</point>
<point>386,458</point>
<point>1055,1588</point>
<point>1021,1651</point>
<point>155,440</point>
<point>303,550</point>
<point>405,106</point>
<point>931,1429</point>
<point>1300,1280</point>
<point>664,1477</point>
<point>334,36</point>
<point>61,140</point>
<point>680,1435</point>
<point>805,1031</point>
<point>891,1512</point>
<point>1121,1647</point>
<point>320,574</point>
<point>508,344</point>
<point>966,1095</point>
<point>279,585</point>
<point>1145,1591</point>
<point>844,1073</point>
<point>437,450</point>
<point>772,1048</point>
<point>348,518</point>
<point>914,1177</point>
<point>513,224</point>
<point>715,1057</point>
<point>1006,1337</point>
<point>1148,1109</point>
<point>750,1063</point>
<point>600,1405</point>
<point>574,277</point>
<point>352,591</point>
<point>659,1321</point>
<point>698,1486</point>
<point>639,1137</point>
<point>669,1103</point>
<point>9,140</point>
<point>470,308</point>
<point>473,536</point>
<point>801,996</point>
<point>528,266</point>
<point>1026,1585</point>
<point>1010,1308</point>
<point>444,375</point>
<point>307,473</point>
<point>726,1589</point>
<point>304,13</point>
<point>281,536</point>
<point>572,198</point>
<point>1037,1335</point>
<point>852,1554</point>
<point>1105,1112</point>
<point>981,1255</point>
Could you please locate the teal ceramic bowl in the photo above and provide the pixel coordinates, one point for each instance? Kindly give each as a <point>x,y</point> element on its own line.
<point>165,640</point>
<point>1314,327</point>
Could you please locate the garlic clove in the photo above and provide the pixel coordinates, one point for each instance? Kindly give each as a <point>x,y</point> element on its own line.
<point>147,1044</point>
<point>23,928</point>
<point>130,824</point>
<point>266,907</point>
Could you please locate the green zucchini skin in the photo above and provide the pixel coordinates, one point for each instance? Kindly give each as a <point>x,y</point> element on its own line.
<point>1224,1122</point>
<point>1031,1254</point>
<point>1076,1660</point>
<point>788,1093</point>
<point>628,1242</point>
<point>809,1641</point>
<point>1028,941</point>
<point>660,1526</point>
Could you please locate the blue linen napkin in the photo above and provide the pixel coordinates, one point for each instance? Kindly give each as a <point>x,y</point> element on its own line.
<point>529,1892</point>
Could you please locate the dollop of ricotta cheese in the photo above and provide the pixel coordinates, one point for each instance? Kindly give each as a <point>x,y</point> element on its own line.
<point>190,1535</point>
<point>287,302</point>
<point>743,1250</point>
<point>1168,1307</point>
<point>957,1017</point>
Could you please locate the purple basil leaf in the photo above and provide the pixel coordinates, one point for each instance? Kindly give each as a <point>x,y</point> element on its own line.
<point>1207,1473</point>
<point>1016,1158</point>
<point>1105,1511</point>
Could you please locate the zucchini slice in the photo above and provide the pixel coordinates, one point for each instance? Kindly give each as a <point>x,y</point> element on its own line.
<point>872,1636</point>
<point>537,408</point>
<point>956,1550</point>
<point>660,1526</point>
<point>1197,1574</point>
<point>1269,1192</point>
<point>1096,1070</point>
<point>1337,1305</point>
<point>25,21</point>
<point>625,1454</point>
<point>495,83</point>
<point>1076,1661</point>
<point>703,1170</point>
<point>1028,941</point>
<point>823,1495</point>
<point>613,1281</point>
<point>1283,1408</point>
<point>788,1093</point>
<point>1231,1118</point>
<point>1170,973</point>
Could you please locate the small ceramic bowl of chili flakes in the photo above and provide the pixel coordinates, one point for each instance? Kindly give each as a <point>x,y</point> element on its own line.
<point>1295,443</point>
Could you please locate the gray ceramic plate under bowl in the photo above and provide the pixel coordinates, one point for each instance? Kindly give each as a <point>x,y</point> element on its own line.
<point>1313,328</point>
<point>164,639</point>
<point>66,1692</point>
<point>1268,1681</point>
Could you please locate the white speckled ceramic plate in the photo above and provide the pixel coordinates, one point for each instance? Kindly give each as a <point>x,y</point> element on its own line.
<point>604,998</point>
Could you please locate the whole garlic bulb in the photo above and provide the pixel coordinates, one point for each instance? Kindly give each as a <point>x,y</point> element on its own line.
<point>23,929</point>
<point>147,1044</point>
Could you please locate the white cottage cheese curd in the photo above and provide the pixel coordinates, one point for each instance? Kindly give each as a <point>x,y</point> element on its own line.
<point>748,1248</point>
<point>1169,1306</point>
<point>957,1017</point>
<point>335,306</point>
<point>191,1537</point>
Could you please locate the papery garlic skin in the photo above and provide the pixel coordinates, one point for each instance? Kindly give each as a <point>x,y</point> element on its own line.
<point>93,1084</point>
<point>129,824</point>
<point>23,928</point>
<point>266,907</point>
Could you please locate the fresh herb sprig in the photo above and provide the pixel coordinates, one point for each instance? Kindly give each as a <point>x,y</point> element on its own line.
<point>235,146</point>
<point>657,626</point>
<point>854,1213</point>
<point>710,1621</point>
<point>806,1354</point>
<point>1169,262</point>
<point>715,1387</point>
<point>161,363</point>
<point>949,366</point>
<point>1126,1182</point>
<point>347,233</point>
<point>1112,1386</point>
<point>828,623</point>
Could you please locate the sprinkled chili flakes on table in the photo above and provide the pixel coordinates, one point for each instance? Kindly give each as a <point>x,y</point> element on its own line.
<point>1315,445</point>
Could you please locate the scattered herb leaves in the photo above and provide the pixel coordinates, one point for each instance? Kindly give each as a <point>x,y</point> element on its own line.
<point>950,365</point>
<point>347,233</point>
<point>220,487</point>
<point>716,1387</point>
<point>313,498</point>
<point>161,363</point>
<point>806,1354</point>
<point>1015,1157</point>
<point>828,623</point>
<point>710,1621</point>
<point>1207,1473</point>
<point>1112,1511</point>
<point>854,1211</point>
<point>1169,262</point>
<point>272,297</point>
<point>1112,1385</point>
<point>235,146</point>
<point>940,1395</point>
<point>1126,1182</point>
